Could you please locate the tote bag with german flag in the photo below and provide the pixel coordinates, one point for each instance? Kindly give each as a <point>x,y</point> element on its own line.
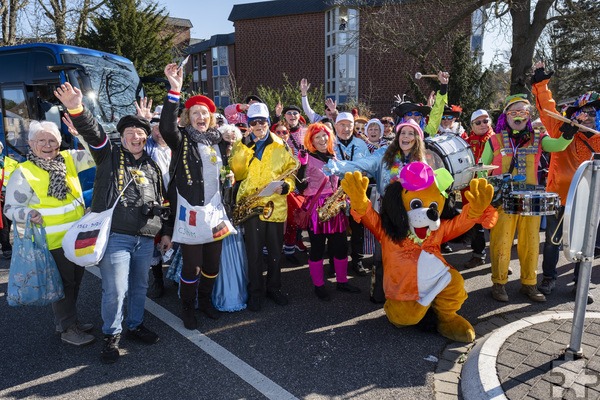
<point>201,224</point>
<point>85,242</point>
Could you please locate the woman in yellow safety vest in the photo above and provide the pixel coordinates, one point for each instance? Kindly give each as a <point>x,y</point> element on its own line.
<point>46,188</point>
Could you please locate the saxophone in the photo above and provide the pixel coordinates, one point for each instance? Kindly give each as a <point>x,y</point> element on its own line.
<point>246,208</point>
<point>333,205</point>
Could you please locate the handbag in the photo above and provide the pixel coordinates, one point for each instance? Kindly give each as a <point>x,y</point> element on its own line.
<point>33,278</point>
<point>85,242</point>
<point>303,214</point>
<point>201,224</point>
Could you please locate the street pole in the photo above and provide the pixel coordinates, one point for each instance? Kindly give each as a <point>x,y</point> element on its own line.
<point>574,351</point>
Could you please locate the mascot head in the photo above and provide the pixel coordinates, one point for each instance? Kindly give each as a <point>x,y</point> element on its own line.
<point>413,204</point>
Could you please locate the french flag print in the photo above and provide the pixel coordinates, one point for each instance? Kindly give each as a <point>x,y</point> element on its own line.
<point>188,216</point>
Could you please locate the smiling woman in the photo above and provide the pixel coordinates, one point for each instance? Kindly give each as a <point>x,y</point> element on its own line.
<point>46,188</point>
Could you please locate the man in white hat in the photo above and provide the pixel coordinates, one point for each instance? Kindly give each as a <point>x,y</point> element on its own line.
<point>263,159</point>
<point>350,148</point>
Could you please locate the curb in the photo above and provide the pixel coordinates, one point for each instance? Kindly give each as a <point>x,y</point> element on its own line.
<point>469,370</point>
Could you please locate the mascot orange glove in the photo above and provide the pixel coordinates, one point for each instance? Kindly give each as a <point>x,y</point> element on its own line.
<point>479,196</point>
<point>355,185</point>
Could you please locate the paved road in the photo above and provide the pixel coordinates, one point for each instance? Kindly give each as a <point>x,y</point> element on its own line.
<point>306,350</point>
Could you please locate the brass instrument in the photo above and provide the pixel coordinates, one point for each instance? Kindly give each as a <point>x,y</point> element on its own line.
<point>247,207</point>
<point>333,205</point>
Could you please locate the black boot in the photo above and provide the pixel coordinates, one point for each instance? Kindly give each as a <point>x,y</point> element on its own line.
<point>187,314</point>
<point>205,289</point>
<point>158,285</point>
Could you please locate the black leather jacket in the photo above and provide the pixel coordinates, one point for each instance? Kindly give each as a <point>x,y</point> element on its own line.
<point>128,217</point>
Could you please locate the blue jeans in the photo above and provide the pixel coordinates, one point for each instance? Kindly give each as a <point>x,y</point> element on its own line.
<point>124,270</point>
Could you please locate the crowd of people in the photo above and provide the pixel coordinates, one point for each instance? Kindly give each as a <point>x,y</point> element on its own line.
<point>234,193</point>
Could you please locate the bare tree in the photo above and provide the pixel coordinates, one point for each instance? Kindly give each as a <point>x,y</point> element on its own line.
<point>63,14</point>
<point>386,26</point>
<point>10,10</point>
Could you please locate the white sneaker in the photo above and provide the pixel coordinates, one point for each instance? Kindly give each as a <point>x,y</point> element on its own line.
<point>76,337</point>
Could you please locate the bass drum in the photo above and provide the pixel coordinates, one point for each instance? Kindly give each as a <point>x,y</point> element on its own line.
<point>456,156</point>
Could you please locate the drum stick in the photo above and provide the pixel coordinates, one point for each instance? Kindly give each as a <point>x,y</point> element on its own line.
<point>419,75</point>
<point>567,120</point>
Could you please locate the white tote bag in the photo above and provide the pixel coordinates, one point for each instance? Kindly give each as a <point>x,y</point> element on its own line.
<point>201,224</point>
<point>85,242</point>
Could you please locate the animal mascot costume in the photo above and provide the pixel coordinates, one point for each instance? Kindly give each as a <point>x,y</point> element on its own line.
<point>416,275</point>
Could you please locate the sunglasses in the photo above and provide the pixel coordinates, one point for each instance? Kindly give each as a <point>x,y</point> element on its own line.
<point>292,113</point>
<point>484,121</point>
<point>387,122</point>
<point>413,114</point>
<point>447,117</point>
<point>519,113</point>
<point>281,132</point>
<point>261,121</point>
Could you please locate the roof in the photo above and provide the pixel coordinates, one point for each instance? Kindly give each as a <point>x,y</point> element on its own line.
<point>277,8</point>
<point>214,41</point>
<point>182,22</point>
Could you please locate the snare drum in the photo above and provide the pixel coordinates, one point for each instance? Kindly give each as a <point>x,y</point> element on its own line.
<point>531,203</point>
<point>456,155</point>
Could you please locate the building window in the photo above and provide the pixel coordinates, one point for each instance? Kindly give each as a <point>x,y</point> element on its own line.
<point>341,53</point>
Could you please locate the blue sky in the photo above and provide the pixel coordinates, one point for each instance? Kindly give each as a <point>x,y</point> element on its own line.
<point>209,17</point>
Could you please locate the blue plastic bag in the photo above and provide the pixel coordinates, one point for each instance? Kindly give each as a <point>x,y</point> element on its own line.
<point>33,278</point>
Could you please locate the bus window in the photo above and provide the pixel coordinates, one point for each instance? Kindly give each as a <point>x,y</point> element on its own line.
<point>16,120</point>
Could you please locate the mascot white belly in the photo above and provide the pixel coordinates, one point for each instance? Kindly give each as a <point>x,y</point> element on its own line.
<point>432,277</point>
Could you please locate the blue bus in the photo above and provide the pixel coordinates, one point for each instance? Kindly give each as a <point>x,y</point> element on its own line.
<point>29,75</point>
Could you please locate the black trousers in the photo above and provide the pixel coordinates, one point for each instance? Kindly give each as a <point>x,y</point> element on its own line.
<point>258,234</point>
<point>357,239</point>
<point>65,309</point>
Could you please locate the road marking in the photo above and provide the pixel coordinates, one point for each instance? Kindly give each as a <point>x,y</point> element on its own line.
<point>264,385</point>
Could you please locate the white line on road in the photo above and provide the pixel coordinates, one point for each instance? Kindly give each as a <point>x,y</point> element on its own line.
<point>264,385</point>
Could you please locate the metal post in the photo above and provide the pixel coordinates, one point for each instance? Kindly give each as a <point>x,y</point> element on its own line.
<point>574,350</point>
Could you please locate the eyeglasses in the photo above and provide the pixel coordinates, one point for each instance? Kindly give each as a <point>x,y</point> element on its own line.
<point>447,117</point>
<point>44,142</point>
<point>281,132</point>
<point>515,113</point>
<point>413,114</point>
<point>484,121</point>
<point>261,121</point>
<point>292,113</point>
<point>387,123</point>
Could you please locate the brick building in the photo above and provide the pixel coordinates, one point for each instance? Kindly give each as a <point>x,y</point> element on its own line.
<point>320,40</point>
<point>212,63</point>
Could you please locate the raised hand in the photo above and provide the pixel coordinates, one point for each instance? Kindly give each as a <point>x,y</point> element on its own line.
<point>330,103</point>
<point>304,86</point>
<point>443,77</point>
<point>278,108</point>
<point>175,76</point>
<point>67,121</point>
<point>479,196</point>
<point>144,108</point>
<point>69,96</point>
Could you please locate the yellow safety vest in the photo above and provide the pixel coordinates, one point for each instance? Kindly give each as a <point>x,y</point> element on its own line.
<point>58,215</point>
<point>9,166</point>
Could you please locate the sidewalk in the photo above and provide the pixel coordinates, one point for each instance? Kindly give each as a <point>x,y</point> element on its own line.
<point>520,357</point>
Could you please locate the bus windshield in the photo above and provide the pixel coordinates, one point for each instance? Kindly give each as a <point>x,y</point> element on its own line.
<point>109,86</point>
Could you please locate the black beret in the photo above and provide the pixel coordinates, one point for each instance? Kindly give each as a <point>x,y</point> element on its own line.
<point>135,121</point>
<point>252,97</point>
<point>288,108</point>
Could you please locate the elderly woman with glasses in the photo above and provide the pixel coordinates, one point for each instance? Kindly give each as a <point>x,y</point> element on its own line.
<point>515,149</point>
<point>46,188</point>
